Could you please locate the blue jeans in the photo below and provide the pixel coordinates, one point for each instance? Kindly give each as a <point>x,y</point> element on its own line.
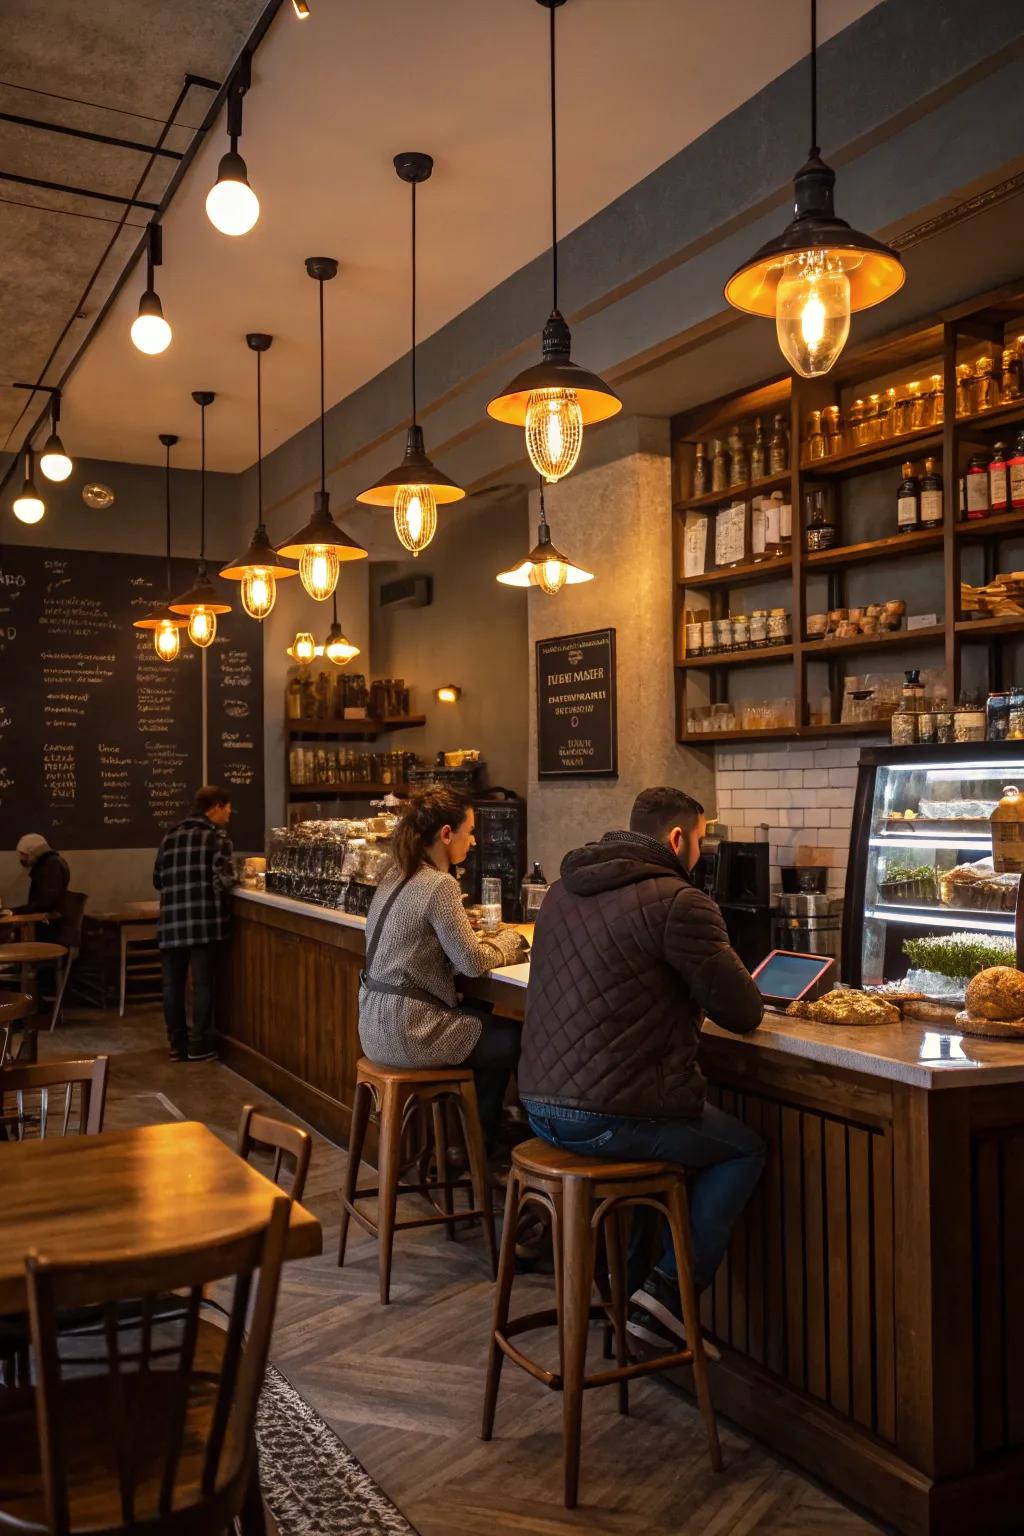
<point>725,1156</point>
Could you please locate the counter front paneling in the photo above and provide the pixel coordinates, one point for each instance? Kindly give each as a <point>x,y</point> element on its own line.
<point>870,1312</point>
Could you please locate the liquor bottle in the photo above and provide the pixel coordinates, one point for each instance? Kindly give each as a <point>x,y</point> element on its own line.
<point>719,466</point>
<point>758,453</point>
<point>1016,468</point>
<point>772,524</point>
<point>931,496</point>
<point>908,502</point>
<point>998,480</point>
<point>737,458</point>
<point>778,448</point>
<point>701,481</point>
<point>977,485</point>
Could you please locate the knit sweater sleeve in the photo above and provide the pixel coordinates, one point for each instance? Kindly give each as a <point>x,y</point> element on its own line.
<point>469,954</point>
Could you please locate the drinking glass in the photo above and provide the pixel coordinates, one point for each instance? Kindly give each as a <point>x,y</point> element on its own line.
<point>490,901</point>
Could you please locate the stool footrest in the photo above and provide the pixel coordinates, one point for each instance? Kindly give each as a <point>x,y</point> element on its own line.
<point>369,1225</point>
<point>414,1189</point>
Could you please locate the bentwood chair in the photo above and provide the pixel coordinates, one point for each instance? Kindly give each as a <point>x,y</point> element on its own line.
<point>33,1087</point>
<point>14,1009</point>
<point>74,917</point>
<point>257,1131</point>
<point>155,1433</point>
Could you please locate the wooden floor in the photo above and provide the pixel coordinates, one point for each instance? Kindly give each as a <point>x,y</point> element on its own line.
<point>401,1385</point>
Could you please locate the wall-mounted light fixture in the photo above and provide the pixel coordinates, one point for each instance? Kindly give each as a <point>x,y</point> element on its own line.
<point>301,8</point>
<point>449,694</point>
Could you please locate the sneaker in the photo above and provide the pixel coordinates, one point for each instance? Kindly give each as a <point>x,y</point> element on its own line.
<point>656,1316</point>
<point>207,1055</point>
<point>177,1055</point>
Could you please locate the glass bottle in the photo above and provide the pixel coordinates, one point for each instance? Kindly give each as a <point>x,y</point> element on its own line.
<point>701,481</point>
<point>964,389</point>
<point>832,425</point>
<point>778,448</point>
<point>986,389</point>
<point>737,458</point>
<point>1016,469</point>
<point>870,419</point>
<point>900,414</point>
<point>1009,380</point>
<point>885,416</point>
<point>938,401</point>
<point>908,502</point>
<point>815,442</point>
<point>758,452</point>
<point>931,495</point>
<point>976,481</point>
<point>917,407</point>
<point>719,466</point>
<point>857,424</point>
<point>820,532</point>
<point>998,479</point>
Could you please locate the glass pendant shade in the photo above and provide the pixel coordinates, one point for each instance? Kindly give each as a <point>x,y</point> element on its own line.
<point>202,627</point>
<point>812,313</point>
<point>29,506</point>
<point>337,648</point>
<point>259,592</point>
<point>150,331</point>
<point>545,567</point>
<point>319,569</point>
<point>54,461</point>
<point>554,431</point>
<point>415,517</point>
<point>167,641</point>
<point>320,546</point>
<point>231,204</point>
<point>303,647</point>
<point>258,569</point>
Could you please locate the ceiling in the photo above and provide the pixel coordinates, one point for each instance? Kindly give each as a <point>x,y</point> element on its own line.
<point>332,100</point>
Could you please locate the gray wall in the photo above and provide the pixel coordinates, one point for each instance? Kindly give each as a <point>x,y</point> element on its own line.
<point>616,520</point>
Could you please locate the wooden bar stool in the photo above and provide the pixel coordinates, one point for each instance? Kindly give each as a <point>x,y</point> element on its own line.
<point>394,1094</point>
<point>586,1197</point>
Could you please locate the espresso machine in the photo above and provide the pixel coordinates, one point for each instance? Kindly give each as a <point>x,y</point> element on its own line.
<point>737,876</point>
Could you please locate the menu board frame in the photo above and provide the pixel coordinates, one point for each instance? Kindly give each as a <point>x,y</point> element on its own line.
<point>566,667</point>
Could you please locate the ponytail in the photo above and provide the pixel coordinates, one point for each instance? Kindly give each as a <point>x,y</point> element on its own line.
<point>428,811</point>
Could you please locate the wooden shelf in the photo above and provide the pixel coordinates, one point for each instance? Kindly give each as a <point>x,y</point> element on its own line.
<point>898,546</point>
<point>788,733</point>
<point>708,738</point>
<point>1012,411</point>
<point>735,493</point>
<point>737,658</point>
<point>344,791</point>
<point>848,728</point>
<point>985,629</point>
<point>915,444</point>
<point>990,527</point>
<point>367,729</point>
<point>741,575</point>
<point>815,648</point>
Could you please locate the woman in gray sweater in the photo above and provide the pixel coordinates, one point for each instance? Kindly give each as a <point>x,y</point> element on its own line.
<point>418,940</point>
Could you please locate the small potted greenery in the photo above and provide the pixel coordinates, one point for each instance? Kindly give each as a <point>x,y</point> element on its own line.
<point>906,882</point>
<point>953,958</point>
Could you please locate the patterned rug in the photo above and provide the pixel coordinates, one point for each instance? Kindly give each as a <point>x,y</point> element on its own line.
<point>312,1484</point>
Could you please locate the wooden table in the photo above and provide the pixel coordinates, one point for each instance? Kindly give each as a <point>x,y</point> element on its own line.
<point>124,1194</point>
<point>24,924</point>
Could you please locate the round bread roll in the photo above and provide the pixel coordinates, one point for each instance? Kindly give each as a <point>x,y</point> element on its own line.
<point>997,993</point>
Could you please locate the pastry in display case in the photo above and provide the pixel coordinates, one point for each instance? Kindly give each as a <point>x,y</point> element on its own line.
<point>930,900</point>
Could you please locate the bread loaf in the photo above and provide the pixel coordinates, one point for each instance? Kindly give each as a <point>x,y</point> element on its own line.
<point>996,993</point>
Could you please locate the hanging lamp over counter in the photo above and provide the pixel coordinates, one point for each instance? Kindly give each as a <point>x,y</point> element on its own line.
<point>231,204</point>
<point>555,398</point>
<point>336,646</point>
<point>202,602</point>
<point>54,460</point>
<point>320,545</point>
<point>150,331</point>
<point>819,270</point>
<point>28,505</point>
<point>416,487</point>
<point>259,567</point>
<point>162,619</point>
<point>545,566</point>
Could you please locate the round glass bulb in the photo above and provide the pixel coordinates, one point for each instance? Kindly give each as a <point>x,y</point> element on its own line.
<point>415,516</point>
<point>259,591</point>
<point>303,647</point>
<point>550,576</point>
<point>167,641</point>
<point>554,431</point>
<point>29,507</point>
<point>232,206</point>
<point>151,334</point>
<point>53,461</point>
<point>340,650</point>
<point>318,569</point>
<point>202,626</point>
<point>812,312</point>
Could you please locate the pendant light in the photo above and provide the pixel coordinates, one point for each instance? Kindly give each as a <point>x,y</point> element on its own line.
<point>202,602</point>
<point>301,8</point>
<point>819,270</point>
<point>416,487</point>
<point>29,506</point>
<point>320,545</point>
<point>545,566</point>
<point>150,331</point>
<point>336,647</point>
<point>54,461</point>
<point>162,620</point>
<point>555,399</point>
<point>259,569</point>
<point>231,204</point>
<point>302,648</point>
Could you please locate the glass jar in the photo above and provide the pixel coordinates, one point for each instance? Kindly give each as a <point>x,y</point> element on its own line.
<point>1009,378</point>
<point>900,415</point>
<point>779,628</point>
<point>759,627</point>
<point>723,634</point>
<point>857,424</point>
<point>938,401</point>
<point>969,722</point>
<point>964,389</point>
<point>1015,716</point>
<point>815,441</point>
<point>997,716</point>
<point>927,727</point>
<point>885,415</point>
<point>740,632</point>
<point>944,726</point>
<point>694,638</point>
<point>903,728</point>
<point>832,426</point>
<point>986,389</point>
<point>707,643</point>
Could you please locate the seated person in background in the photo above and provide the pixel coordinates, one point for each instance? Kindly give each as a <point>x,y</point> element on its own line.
<point>418,939</point>
<point>48,881</point>
<point>628,955</point>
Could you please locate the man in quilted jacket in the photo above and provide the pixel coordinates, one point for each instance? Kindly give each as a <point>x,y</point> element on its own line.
<point>628,957</point>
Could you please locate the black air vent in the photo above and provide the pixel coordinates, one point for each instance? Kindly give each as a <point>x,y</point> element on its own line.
<point>409,592</point>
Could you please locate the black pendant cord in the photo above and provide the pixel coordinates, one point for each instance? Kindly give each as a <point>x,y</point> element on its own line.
<point>167,512</point>
<point>334,600</point>
<point>554,174</point>
<point>543,514</point>
<point>413,350</point>
<point>259,438</point>
<point>323,451</point>
<point>815,151</point>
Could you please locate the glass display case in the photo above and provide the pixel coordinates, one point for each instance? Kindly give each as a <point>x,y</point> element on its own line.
<point>336,863</point>
<point>922,894</point>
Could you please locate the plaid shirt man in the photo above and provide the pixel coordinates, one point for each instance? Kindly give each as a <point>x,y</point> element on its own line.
<point>193,873</point>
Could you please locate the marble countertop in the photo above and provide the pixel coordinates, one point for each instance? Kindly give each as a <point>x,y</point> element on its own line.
<point>920,1055</point>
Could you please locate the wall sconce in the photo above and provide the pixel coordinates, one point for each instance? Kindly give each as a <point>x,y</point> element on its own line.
<point>449,694</point>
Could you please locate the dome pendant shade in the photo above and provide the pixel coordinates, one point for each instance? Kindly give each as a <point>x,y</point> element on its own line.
<point>322,531</point>
<point>557,371</point>
<point>201,595</point>
<point>261,555</point>
<point>337,648</point>
<point>875,272</point>
<point>544,567</point>
<point>415,469</point>
<point>159,615</point>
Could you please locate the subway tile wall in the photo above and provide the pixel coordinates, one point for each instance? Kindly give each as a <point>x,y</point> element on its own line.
<point>802,793</point>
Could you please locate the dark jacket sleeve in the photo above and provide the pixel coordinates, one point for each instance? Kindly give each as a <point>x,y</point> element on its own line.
<point>157,869</point>
<point>46,887</point>
<point>697,946</point>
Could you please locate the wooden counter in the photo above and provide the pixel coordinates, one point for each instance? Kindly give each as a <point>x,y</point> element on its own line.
<point>871,1310</point>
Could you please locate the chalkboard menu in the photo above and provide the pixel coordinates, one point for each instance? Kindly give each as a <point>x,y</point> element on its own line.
<point>234,693</point>
<point>101,742</point>
<point>576,722</point>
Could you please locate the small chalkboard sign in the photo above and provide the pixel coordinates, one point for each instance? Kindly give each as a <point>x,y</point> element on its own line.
<point>576,716</point>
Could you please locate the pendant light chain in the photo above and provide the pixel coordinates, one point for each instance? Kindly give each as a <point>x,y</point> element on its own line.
<point>323,451</point>
<point>413,358</point>
<point>815,151</point>
<point>554,173</point>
